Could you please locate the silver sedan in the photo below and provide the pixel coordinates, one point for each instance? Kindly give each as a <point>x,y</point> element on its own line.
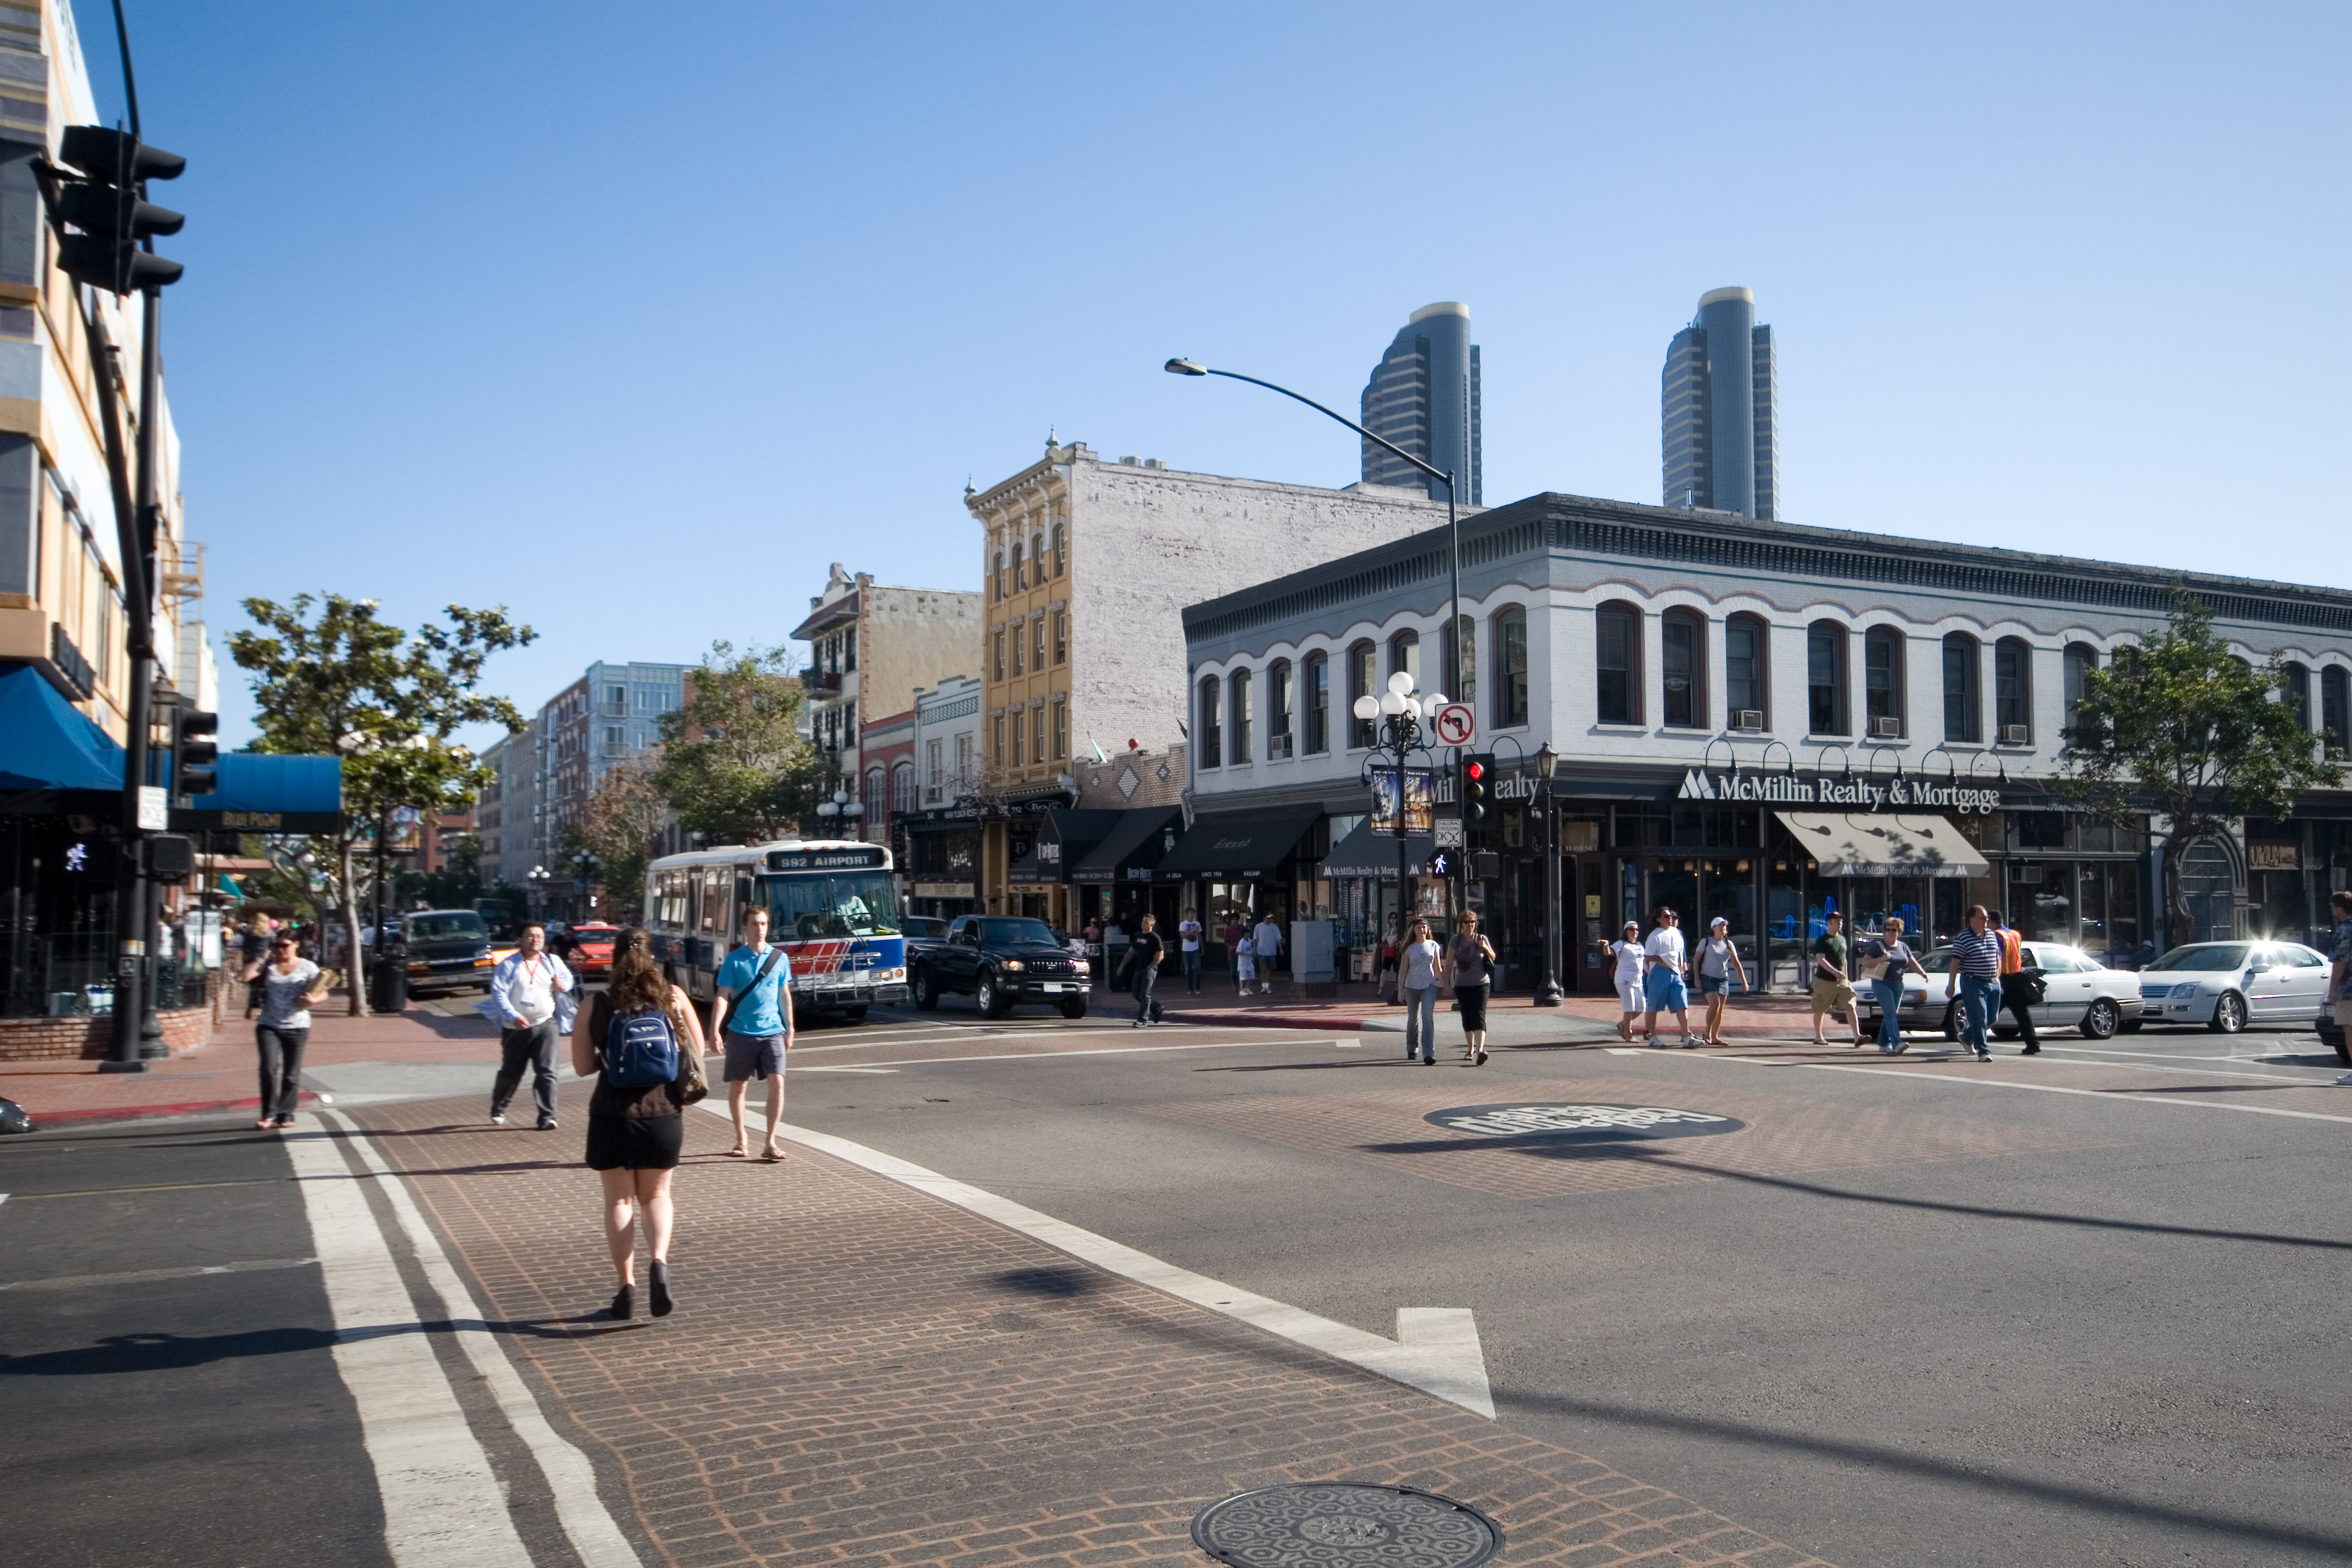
<point>2226,986</point>
<point>2078,993</point>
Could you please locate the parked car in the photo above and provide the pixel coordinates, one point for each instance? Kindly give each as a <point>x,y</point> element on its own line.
<point>2078,993</point>
<point>1002,962</point>
<point>2331,1030</point>
<point>590,950</point>
<point>2226,986</point>
<point>447,950</point>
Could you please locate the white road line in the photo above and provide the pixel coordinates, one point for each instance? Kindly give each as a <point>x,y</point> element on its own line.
<point>1974,1082</point>
<point>1097,1051</point>
<point>570,1476</point>
<point>822,1069</point>
<point>1437,1349</point>
<point>443,1507</point>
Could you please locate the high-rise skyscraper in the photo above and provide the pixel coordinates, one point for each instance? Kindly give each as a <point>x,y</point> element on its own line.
<point>1720,399</point>
<point>1423,396</point>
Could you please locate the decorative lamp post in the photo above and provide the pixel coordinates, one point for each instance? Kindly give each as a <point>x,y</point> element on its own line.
<point>537,877</point>
<point>840,807</point>
<point>1398,712</point>
<point>1453,540</point>
<point>1550,994</point>
<point>584,875</point>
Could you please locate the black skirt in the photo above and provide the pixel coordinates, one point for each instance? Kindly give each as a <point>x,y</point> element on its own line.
<point>634,1143</point>
<point>1472,1001</point>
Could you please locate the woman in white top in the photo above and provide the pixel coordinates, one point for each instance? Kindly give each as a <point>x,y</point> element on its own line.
<point>1718,964</point>
<point>1627,952</point>
<point>1417,980</point>
<point>291,985</point>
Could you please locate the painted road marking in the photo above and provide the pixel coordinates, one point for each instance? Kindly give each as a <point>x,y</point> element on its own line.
<point>1437,1349</point>
<point>1097,1051</point>
<point>142,1276</point>
<point>443,1506</point>
<point>1973,1082</point>
<point>570,1476</point>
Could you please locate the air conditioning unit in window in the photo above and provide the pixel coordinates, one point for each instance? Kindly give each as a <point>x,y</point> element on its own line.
<point>2013,735</point>
<point>1749,719</point>
<point>1887,729</point>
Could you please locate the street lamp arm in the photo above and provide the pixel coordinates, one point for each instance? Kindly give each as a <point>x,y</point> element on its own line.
<point>1367,435</point>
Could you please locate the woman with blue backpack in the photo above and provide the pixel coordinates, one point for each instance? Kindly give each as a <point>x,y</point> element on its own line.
<point>641,1041</point>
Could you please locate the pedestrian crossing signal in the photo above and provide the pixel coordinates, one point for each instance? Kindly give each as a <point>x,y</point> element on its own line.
<point>1440,864</point>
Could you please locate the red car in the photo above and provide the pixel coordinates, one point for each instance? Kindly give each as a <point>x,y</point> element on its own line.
<point>590,950</point>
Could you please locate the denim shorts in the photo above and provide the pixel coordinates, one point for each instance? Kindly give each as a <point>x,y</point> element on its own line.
<point>1714,984</point>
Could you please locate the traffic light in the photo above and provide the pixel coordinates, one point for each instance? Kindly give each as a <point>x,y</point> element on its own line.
<point>1473,791</point>
<point>1439,865</point>
<point>193,753</point>
<point>104,202</point>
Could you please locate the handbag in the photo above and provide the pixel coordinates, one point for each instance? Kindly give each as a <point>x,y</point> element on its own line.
<point>690,1087</point>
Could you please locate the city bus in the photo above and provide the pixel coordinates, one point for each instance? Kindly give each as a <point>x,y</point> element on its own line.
<point>830,905</point>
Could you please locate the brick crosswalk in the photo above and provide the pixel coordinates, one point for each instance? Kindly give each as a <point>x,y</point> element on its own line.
<point>862,1376</point>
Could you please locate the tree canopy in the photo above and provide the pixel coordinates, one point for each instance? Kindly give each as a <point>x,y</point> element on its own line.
<point>2180,723</point>
<point>734,763</point>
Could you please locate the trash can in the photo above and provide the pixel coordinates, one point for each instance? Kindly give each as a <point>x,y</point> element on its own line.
<point>389,993</point>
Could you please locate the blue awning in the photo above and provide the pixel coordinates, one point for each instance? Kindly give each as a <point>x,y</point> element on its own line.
<point>266,782</point>
<point>46,744</point>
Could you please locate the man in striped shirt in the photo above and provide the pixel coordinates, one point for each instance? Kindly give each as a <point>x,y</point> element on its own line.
<point>1976,977</point>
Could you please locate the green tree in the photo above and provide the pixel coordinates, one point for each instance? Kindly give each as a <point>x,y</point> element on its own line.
<point>733,765</point>
<point>617,826</point>
<point>343,682</point>
<point>2180,724</point>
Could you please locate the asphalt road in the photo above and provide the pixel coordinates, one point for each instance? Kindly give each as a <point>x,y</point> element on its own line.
<point>1897,1320</point>
<point>1907,1319</point>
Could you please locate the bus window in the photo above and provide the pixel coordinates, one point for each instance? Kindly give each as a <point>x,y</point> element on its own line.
<point>804,906</point>
<point>714,898</point>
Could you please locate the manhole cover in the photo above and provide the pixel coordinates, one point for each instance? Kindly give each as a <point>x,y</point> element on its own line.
<point>1592,1124</point>
<point>1338,1524</point>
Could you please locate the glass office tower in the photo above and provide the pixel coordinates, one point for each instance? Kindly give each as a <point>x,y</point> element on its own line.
<point>1423,396</point>
<point>1720,402</point>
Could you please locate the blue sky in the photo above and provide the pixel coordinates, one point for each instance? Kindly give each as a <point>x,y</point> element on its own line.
<point>632,317</point>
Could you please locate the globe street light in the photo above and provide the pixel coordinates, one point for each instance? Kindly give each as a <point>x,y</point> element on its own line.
<point>1453,532</point>
<point>1398,713</point>
<point>1550,994</point>
<point>840,807</point>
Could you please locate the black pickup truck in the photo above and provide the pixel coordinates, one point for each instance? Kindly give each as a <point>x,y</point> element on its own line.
<point>1001,963</point>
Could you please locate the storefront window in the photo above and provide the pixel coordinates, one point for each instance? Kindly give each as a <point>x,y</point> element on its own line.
<point>57,932</point>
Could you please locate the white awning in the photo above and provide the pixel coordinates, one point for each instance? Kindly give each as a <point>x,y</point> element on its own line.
<point>1882,844</point>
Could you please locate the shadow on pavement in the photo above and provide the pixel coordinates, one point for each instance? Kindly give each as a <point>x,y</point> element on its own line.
<point>1877,1457</point>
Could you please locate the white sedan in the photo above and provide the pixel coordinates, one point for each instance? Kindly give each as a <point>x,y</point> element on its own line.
<point>2226,986</point>
<point>2078,993</point>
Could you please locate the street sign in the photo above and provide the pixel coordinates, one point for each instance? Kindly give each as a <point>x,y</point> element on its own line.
<point>1456,724</point>
<point>1449,832</point>
<point>155,808</point>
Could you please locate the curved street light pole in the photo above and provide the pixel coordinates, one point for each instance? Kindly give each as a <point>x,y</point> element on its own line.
<point>1454,559</point>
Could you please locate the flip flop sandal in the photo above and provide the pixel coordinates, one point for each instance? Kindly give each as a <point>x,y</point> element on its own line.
<point>771,1157</point>
<point>738,1154</point>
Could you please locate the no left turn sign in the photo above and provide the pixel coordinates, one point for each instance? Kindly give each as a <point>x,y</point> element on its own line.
<point>1456,724</point>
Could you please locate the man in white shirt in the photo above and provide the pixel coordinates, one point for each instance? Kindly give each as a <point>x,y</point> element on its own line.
<point>1663,986</point>
<point>523,991</point>
<point>1267,940</point>
<point>1189,932</point>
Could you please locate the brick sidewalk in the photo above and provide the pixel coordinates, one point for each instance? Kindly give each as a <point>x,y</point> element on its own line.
<point>219,1075</point>
<point>862,1377</point>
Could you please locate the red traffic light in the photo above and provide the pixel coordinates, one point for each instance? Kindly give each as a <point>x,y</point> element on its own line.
<point>1475,770</point>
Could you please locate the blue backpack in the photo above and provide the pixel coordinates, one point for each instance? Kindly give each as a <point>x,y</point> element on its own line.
<point>640,1050</point>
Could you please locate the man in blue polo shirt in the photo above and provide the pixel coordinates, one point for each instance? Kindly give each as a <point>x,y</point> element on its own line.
<point>754,1005</point>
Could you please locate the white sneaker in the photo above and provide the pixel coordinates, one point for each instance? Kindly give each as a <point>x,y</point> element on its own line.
<point>2346,1078</point>
<point>499,1119</point>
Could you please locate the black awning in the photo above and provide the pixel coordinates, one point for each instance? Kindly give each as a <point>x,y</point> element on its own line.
<point>1365,853</point>
<point>1238,843</point>
<point>1136,844</point>
<point>1068,835</point>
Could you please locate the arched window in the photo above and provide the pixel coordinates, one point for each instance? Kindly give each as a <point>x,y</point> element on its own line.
<point>1278,701</point>
<point>1061,550</point>
<point>1882,682</point>
<point>1404,654</point>
<point>2295,691</point>
<point>2335,707</point>
<point>2013,691</point>
<point>1511,668</point>
<point>1361,680</point>
<point>1316,676</point>
<point>1960,722</point>
<point>1239,703</point>
<point>902,788</point>
<point>996,573</point>
<point>1617,663</point>
<point>1746,697</point>
<point>2076,663</point>
<point>1212,725</point>
<point>1683,649</point>
<point>1037,554</point>
<point>1825,702</point>
<point>1460,676</point>
<point>874,799</point>
<point>1019,571</point>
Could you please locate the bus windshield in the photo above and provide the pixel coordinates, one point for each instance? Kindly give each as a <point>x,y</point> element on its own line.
<point>805,905</point>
